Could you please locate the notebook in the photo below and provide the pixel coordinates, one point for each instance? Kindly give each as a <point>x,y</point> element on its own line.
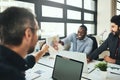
<point>67,69</point>
<point>76,56</point>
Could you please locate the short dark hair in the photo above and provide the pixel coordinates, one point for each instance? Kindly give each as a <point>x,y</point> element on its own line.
<point>12,24</point>
<point>84,27</point>
<point>116,19</point>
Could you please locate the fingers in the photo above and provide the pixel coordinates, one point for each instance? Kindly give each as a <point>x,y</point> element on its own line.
<point>109,59</point>
<point>45,48</point>
<point>106,58</point>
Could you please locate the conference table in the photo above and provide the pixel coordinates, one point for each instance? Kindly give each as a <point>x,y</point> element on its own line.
<point>44,68</point>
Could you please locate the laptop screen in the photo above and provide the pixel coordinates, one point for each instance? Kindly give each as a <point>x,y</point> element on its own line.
<point>76,56</point>
<point>67,69</point>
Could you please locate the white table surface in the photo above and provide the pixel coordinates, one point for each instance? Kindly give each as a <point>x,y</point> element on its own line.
<point>44,69</point>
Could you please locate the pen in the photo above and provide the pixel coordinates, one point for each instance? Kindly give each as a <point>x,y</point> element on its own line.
<point>114,73</point>
<point>35,77</point>
<point>115,68</point>
<point>91,70</point>
<point>86,78</point>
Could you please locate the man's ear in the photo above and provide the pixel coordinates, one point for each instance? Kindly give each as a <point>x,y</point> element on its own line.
<point>119,27</point>
<point>28,34</point>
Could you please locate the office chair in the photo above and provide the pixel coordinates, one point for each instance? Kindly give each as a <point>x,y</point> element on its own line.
<point>95,44</point>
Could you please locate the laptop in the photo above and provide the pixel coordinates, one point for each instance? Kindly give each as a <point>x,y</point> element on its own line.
<point>67,69</point>
<point>76,56</point>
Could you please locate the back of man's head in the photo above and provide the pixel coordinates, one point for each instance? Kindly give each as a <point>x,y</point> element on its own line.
<point>13,23</point>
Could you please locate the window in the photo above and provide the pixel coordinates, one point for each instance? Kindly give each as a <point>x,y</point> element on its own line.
<point>72,28</point>
<point>89,4</point>
<point>118,12</point>
<point>63,17</point>
<point>52,28</point>
<point>118,7</point>
<point>7,3</point>
<point>59,1</point>
<point>89,17</point>
<point>76,3</point>
<point>90,28</point>
<point>73,15</point>
<point>49,11</point>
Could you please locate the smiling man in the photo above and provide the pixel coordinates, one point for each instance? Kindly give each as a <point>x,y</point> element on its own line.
<point>79,42</point>
<point>112,43</point>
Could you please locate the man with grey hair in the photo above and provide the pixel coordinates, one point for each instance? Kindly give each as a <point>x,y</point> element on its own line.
<point>18,34</point>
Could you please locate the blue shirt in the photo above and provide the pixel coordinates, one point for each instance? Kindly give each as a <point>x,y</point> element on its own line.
<point>84,46</point>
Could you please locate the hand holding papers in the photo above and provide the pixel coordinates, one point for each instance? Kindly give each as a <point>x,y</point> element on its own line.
<point>54,45</point>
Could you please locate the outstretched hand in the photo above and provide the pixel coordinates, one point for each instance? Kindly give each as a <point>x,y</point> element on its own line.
<point>61,42</point>
<point>88,59</point>
<point>44,48</point>
<point>109,59</point>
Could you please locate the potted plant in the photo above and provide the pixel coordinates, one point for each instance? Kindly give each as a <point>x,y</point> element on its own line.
<point>102,66</point>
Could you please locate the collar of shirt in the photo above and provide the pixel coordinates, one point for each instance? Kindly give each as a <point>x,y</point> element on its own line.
<point>12,58</point>
<point>85,38</point>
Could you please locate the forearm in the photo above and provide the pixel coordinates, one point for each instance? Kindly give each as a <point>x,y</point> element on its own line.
<point>109,59</point>
<point>38,55</point>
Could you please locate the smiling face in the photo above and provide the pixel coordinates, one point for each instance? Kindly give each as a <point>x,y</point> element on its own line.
<point>81,33</point>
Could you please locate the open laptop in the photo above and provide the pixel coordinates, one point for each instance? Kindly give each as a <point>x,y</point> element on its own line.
<point>67,69</point>
<point>76,56</point>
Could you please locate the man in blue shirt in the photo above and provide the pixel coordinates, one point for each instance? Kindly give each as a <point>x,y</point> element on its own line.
<point>79,42</point>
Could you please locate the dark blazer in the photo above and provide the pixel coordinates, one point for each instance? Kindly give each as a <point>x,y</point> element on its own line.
<point>110,43</point>
<point>13,66</point>
<point>8,72</point>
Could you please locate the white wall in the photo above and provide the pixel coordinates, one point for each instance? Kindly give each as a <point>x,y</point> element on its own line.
<point>104,16</point>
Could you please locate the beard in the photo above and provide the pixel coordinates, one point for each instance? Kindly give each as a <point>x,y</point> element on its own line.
<point>114,33</point>
<point>31,49</point>
<point>117,33</point>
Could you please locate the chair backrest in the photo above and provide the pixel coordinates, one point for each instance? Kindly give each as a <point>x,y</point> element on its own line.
<point>95,44</point>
